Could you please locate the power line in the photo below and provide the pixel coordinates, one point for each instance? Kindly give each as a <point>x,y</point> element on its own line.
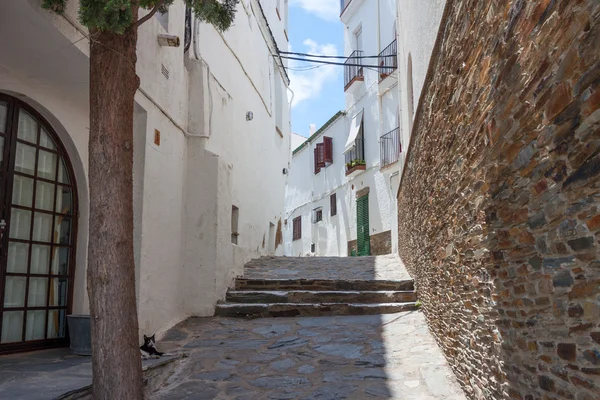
<point>324,56</point>
<point>336,63</point>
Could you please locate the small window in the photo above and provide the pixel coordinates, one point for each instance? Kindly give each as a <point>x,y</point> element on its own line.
<point>333,204</point>
<point>318,215</point>
<point>297,228</point>
<point>235,216</point>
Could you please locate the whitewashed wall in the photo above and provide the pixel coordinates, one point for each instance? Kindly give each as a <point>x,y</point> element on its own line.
<point>418,24</point>
<point>209,156</point>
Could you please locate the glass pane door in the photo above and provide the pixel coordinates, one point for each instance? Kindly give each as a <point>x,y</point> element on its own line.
<point>37,205</point>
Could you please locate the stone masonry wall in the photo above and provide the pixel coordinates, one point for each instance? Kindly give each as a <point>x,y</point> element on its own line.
<point>381,243</point>
<point>499,205</point>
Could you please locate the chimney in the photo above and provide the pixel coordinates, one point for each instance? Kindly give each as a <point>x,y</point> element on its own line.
<point>312,129</point>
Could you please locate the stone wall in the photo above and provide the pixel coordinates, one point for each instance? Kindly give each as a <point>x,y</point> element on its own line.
<point>381,243</point>
<point>499,205</point>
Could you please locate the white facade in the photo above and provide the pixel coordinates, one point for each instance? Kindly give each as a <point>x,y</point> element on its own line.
<point>418,25</point>
<point>211,155</point>
<point>369,27</point>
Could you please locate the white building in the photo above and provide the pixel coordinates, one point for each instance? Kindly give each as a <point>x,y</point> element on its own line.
<point>418,26</point>
<point>212,140</point>
<point>362,173</point>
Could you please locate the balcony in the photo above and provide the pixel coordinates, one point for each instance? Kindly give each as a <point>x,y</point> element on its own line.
<point>353,70</point>
<point>388,63</point>
<point>355,158</point>
<point>390,148</point>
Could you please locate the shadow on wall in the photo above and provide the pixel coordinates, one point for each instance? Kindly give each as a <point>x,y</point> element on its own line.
<point>499,208</point>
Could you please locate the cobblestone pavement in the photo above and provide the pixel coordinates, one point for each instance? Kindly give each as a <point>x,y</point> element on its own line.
<point>388,267</point>
<point>339,357</point>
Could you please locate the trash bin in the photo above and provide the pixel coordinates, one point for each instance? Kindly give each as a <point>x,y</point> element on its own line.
<point>80,334</point>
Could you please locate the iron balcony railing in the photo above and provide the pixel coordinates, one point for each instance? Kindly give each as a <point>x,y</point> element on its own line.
<point>390,147</point>
<point>388,60</point>
<point>356,156</point>
<point>343,5</point>
<point>353,67</point>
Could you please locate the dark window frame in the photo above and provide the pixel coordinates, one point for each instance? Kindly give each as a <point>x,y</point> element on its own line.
<point>333,204</point>
<point>297,228</point>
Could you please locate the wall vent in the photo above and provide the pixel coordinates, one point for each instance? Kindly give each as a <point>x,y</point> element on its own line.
<point>164,71</point>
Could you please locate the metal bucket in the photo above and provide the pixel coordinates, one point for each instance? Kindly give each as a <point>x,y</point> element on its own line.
<point>80,334</point>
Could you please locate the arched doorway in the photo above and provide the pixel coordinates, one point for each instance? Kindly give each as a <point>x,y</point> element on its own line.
<point>38,218</point>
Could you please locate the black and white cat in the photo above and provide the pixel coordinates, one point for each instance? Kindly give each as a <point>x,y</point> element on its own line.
<point>148,349</point>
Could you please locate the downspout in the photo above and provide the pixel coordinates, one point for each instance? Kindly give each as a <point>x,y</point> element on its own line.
<point>198,57</point>
<point>379,95</point>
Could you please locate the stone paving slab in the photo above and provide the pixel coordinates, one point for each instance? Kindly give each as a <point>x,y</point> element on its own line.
<point>48,374</point>
<point>359,357</point>
<point>387,267</point>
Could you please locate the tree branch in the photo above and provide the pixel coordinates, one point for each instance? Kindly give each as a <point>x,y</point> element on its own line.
<point>149,15</point>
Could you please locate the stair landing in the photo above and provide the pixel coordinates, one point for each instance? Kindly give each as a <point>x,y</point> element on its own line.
<point>315,286</point>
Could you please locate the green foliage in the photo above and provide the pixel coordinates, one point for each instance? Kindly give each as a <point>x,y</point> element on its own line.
<point>418,303</point>
<point>117,15</point>
<point>218,13</point>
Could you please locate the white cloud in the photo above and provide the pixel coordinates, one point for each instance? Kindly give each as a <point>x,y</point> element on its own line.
<point>327,9</point>
<point>308,84</point>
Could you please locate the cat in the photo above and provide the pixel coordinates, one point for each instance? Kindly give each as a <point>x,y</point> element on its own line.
<point>148,349</point>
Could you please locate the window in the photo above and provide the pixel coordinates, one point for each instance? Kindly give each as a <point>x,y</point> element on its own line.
<point>317,215</point>
<point>333,204</point>
<point>235,216</point>
<point>297,228</point>
<point>358,38</point>
<point>328,149</point>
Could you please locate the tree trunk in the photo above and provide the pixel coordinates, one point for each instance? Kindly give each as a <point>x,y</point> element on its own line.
<point>116,362</point>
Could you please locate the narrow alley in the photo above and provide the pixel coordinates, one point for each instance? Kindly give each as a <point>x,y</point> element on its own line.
<point>389,354</point>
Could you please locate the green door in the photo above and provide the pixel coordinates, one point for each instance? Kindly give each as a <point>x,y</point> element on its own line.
<point>362,225</point>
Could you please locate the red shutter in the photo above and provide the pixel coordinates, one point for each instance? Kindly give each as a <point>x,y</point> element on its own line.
<point>316,162</point>
<point>328,142</point>
<point>320,155</point>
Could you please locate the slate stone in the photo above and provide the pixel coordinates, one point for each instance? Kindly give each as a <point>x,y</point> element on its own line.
<point>308,332</point>
<point>349,351</point>
<point>280,382</point>
<point>272,330</point>
<point>557,262</point>
<point>316,322</point>
<point>537,221</point>
<point>379,391</point>
<point>580,244</point>
<point>306,369</point>
<point>282,365</point>
<point>562,279</point>
<point>289,342</point>
<point>229,344</point>
<point>332,392</point>
<point>370,361</point>
<point>221,375</point>
<point>265,356</point>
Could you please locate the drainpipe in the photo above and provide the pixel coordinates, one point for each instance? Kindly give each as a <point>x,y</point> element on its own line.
<point>379,95</point>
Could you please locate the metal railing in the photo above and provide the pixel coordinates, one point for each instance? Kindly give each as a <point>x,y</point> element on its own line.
<point>353,67</point>
<point>390,147</point>
<point>343,5</point>
<point>388,60</point>
<point>356,156</point>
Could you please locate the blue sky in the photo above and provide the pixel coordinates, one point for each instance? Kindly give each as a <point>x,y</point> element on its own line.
<point>315,28</point>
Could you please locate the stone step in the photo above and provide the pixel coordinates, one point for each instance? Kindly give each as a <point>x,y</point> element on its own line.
<point>322,284</point>
<point>246,310</point>
<point>316,296</point>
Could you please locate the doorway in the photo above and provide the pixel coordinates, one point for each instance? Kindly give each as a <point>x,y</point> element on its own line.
<point>38,220</point>
<point>363,240</point>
